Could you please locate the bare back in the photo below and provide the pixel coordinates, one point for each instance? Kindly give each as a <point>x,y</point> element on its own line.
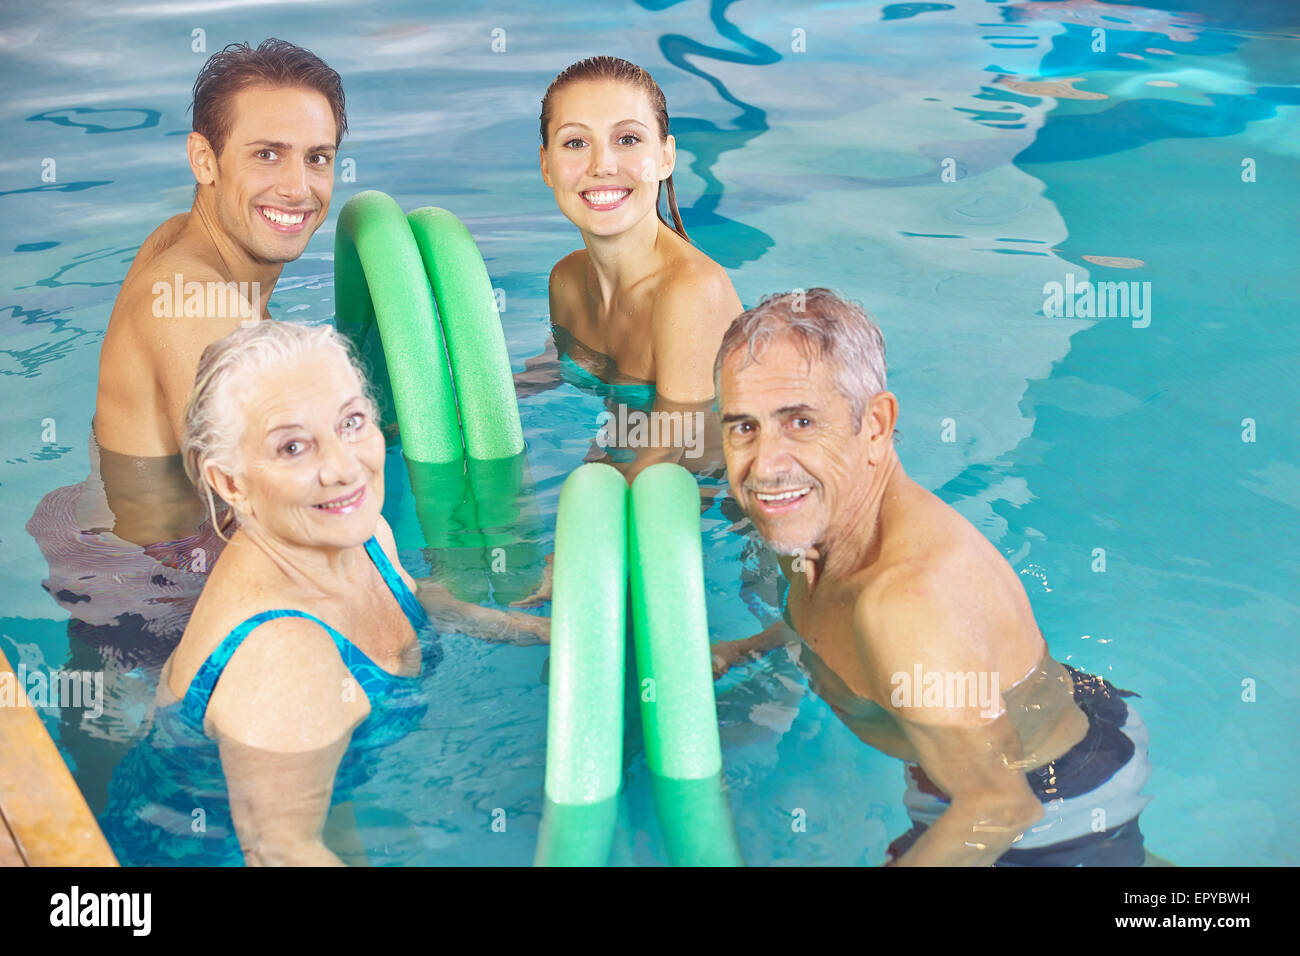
<point>148,360</point>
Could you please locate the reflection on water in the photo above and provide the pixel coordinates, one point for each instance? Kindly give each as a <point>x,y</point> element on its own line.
<point>128,550</point>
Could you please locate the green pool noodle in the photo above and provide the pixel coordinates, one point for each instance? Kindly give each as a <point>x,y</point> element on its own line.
<point>675,669</point>
<point>379,270</point>
<point>584,723</point>
<point>471,327</point>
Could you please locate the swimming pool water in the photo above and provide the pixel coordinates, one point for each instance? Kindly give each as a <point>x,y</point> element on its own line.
<point>820,167</point>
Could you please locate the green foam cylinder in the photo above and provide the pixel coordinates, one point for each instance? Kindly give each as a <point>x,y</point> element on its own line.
<point>476,343</point>
<point>584,723</point>
<point>379,270</point>
<point>675,670</point>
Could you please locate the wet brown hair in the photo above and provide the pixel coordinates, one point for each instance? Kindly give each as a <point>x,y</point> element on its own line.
<point>612,68</point>
<point>275,63</point>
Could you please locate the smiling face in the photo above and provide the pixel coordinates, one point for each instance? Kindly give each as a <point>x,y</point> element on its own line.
<point>604,157</point>
<point>312,456</point>
<point>275,174</point>
<point>794,462</point>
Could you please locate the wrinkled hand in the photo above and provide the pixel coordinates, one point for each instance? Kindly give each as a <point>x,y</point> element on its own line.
<point>449,613</point>
<point>728,654</point>
<point>543,592</point>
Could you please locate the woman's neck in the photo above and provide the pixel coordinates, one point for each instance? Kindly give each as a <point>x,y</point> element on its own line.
<point>622,261</point>
<point>315,572</point>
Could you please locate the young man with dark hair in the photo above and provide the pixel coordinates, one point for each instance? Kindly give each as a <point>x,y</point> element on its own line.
<point>267,123</point>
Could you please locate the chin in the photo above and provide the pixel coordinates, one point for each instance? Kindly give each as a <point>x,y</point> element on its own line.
<point>788,545</point>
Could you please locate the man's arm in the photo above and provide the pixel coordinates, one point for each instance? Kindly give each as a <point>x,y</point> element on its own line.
<point>727,654</point>
<point>968,748</point>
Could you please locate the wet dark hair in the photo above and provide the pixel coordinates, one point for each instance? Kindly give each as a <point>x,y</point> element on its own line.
<point>274,63</point>
<point>612,68</point>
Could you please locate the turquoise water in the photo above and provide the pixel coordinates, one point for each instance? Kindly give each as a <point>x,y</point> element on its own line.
<point>822,167</point>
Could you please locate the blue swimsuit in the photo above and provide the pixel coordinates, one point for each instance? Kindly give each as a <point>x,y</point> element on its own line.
<point>157,791</point>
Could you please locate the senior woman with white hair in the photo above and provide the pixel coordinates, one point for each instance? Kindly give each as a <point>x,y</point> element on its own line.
<point>303,652</point>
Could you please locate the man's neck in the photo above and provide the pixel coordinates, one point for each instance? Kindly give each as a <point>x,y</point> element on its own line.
<point>853,545</point>
<point>236,263</point>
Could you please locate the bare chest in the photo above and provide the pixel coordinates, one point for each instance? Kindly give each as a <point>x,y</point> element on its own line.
<point>379,628</point>
<point>621,336</point>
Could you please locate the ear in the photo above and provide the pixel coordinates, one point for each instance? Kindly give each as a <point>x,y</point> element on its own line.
<point>203,161</point>
<point>228,487</point>
<point>669,161</point>
<point>546,172</point>
<point>878,420</point>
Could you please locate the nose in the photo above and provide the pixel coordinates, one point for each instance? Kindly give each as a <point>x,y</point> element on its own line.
<point>292,182</point>
<point>771,457</point>
<point>339,464</point>
<point>602,160</point>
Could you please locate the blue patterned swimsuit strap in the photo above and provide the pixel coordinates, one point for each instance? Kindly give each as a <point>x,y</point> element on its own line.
<point>410,604</point>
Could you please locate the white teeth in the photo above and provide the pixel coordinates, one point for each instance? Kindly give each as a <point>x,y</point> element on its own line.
<point>350,500</point>
<point>602,197</point>
<point>783,496</point>
<point>282,219</point>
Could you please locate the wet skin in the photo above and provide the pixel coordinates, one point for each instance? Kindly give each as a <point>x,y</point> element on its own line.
<point>308,489</point>
<point>637,292</point>
<point>278,157</point>
<point>884,577</point>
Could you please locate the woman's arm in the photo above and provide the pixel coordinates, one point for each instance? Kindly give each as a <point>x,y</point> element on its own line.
<point>541,372</point>
<point>283,715</point>
<point>449,613</point>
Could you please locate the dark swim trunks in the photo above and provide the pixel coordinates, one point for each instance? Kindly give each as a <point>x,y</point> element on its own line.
<point>1090,794</point>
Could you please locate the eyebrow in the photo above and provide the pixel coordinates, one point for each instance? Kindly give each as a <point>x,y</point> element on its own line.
<point>782,412</point>
<point>288,146</point>
<point>626,122</point>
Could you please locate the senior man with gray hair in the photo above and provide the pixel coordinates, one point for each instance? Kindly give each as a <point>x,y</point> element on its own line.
<point>911,625</point>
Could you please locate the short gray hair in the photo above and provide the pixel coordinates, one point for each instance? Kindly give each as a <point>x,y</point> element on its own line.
<point>825,327</point>
<point>214,426</point>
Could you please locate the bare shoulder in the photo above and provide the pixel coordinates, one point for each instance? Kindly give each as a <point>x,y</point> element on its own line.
<point>696,292</point>
<point>236,590</point>
<point>285,690</point>
<point>161,310</point>
<point>565,289</point>
<point>567,274</point>
<point>694,304</point>
<point>944,599</point>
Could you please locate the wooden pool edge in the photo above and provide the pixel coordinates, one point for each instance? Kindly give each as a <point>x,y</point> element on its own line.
<point>44,819</point>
